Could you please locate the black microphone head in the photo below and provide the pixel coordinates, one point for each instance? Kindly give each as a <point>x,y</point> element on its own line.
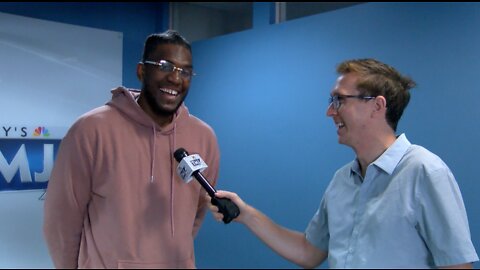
<point>180,153</point>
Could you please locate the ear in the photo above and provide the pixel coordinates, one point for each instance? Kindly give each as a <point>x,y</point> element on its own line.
<point>380,105</point>
<point>140,72</point>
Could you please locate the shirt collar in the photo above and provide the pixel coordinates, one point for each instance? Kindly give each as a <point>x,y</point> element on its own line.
<point>389,160</point>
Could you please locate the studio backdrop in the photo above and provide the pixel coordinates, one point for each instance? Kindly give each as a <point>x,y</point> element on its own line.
<point>50,74</point>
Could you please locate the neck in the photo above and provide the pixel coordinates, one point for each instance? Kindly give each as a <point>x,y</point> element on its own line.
<point>160,120</point>
<point>372,149</point>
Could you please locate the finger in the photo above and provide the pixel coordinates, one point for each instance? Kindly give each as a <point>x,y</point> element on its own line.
<point>213,208</point>
<point>225,194</point>
<point>218,216</point>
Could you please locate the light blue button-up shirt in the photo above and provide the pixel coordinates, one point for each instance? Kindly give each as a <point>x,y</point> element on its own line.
<point>407,212</point>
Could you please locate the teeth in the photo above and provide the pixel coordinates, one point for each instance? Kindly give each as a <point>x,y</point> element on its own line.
<point>339,125</point>
<point>169,91</point>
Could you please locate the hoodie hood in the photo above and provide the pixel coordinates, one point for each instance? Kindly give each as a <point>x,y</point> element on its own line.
<point>125,100</point>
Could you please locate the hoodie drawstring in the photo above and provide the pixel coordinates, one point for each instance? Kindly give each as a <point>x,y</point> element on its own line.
<point>172,176</point>
<point>152,166</point>
<point>172,171</point>
<point>153,157</point>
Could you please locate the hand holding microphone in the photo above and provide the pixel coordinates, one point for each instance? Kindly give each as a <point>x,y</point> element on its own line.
<point>193,165</point>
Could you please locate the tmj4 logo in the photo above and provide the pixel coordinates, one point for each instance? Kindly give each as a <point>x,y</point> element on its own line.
<point>26,164</point>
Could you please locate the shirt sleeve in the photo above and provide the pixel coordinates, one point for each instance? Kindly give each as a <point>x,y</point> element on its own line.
<point>317,232</point>
<point>442,219</point>
<point>67,197</point>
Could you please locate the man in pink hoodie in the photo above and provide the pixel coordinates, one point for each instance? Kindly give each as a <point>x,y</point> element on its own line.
<point>114,199</point>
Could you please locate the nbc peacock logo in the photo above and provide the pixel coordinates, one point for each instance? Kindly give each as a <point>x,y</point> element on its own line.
<point>41,131</point>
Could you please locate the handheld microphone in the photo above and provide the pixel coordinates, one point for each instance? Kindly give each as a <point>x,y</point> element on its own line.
<point>193,166</point>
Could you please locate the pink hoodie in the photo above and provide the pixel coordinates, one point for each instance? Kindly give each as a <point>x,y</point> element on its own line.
<point>114,199</point>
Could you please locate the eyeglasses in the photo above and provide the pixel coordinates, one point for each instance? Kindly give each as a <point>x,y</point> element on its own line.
<point>166,66</point>
<point>335,100</point>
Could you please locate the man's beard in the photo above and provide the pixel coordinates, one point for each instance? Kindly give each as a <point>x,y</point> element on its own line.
<point>156,108</point>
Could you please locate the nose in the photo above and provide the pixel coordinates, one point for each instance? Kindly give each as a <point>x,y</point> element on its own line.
<point>175,76</point>
<point>331,111</point>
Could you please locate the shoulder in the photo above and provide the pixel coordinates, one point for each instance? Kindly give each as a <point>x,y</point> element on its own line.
<point>346,170</point>
<point>195,133</point>
<point>342,176</point>
<point>199,131</point>
<point>92,121</point>
<point>200,124</point>
<point>419,158</point>
<point>425,170</point>
<point>192,123</point>
<point>98,116</point>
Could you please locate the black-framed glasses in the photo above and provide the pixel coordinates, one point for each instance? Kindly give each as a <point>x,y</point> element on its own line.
<point>335,100</point>
<point>168,67</point>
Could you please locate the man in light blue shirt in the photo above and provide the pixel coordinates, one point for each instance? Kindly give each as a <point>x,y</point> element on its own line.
<point>397,205</point>
<point>405,212</point>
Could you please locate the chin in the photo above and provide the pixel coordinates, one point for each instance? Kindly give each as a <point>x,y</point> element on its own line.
<point>343,141</point>
<point>169,109</point>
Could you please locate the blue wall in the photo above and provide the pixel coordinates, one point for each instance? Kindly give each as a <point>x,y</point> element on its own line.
<point>265,91</point>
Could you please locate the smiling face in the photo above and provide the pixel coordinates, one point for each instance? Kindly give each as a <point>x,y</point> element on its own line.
<point>353,116</point>
<point>163,92</point>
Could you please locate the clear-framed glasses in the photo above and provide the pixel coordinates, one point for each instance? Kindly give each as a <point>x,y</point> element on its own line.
<point>334,101</point>
<point>168,67</point>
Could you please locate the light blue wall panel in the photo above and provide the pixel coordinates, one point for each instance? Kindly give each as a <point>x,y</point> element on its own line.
<point>265,93</point>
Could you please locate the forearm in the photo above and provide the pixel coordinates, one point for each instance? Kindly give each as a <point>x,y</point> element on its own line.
<point>291,245</point>
<point>63,245</point>
<point>458,266</point>
<point>68,195</point>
